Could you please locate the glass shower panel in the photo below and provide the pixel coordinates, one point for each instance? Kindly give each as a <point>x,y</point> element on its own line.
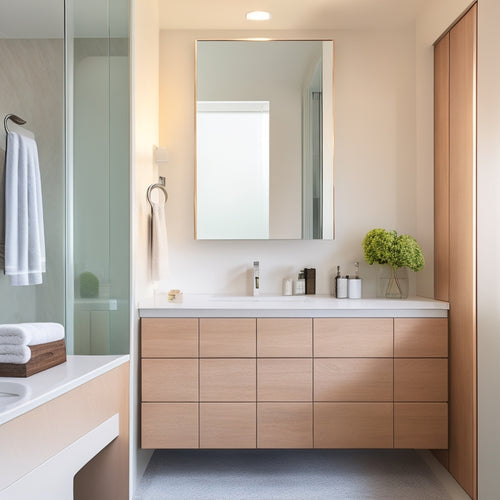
<point>99,295</point>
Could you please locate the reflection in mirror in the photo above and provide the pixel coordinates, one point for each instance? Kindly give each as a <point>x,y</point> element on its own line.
<point>264,138</point>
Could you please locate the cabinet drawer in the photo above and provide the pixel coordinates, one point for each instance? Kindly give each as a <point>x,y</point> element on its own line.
<point>353,337</point>
<point>228,380</point>
<point>421,380</point>
<point>420,337</point>
<point>284,425</point>
<point>421,425</point>
<point>169,337</point>
<point>284,379</point>
<point>282,338</point>
<point>169,425</point>
<point>353,379</point>
<point>227,425</point>
<point>227,338</point>
<point>170,380</point>
<point>353,425</point>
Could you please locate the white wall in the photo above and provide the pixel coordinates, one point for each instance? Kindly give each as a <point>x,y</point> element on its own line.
<point>374,163</point>
<point>488,251</point>
<point>144,107</point>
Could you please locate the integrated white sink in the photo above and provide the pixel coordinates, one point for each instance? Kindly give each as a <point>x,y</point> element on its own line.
<point>292,299</point>
<point>11,392</point>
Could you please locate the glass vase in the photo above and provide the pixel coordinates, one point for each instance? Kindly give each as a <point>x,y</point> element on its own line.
<point>393,283</point>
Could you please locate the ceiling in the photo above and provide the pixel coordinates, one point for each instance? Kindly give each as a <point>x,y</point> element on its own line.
<point>45,18</point>
<point>289,14</point>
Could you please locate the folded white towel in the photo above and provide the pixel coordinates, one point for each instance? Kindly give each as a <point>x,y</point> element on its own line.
<point>24,232</point>
<point>159,245</point>
<point>30,333</point>
<point>18,354</point>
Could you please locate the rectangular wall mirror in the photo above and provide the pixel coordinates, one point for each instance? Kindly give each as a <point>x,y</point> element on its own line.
<point>264,139</point>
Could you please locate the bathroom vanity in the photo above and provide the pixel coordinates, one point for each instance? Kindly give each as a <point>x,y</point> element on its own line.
<point>64,431</point>
<point>310,372</point>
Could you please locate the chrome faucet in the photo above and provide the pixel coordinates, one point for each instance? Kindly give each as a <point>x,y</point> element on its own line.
<point>256,278</point>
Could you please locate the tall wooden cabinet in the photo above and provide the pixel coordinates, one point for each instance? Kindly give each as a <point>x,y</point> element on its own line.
<point>455,233</point>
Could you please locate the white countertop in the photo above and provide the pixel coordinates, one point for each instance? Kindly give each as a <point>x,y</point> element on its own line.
<point>49,384</point>
<point>290,306</point>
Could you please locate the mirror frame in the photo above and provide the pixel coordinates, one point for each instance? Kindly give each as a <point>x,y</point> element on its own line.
<point>328,138</point>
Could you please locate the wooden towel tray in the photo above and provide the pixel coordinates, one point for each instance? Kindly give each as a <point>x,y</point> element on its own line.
<point>43,356</point>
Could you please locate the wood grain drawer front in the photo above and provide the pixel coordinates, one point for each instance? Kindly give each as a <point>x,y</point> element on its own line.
<point>227,338</point>
<point>283,338</point>
<point>421,425</point>
<point>420,337</point>
<point>284,425</point>
<point>169,425</point>
<point>421,379</point>
<point>353,379</point>
<point>284,379</point>
<point>227,425</point>
<point>353,337</point>
<point>228,380</point>
<point>353,425</point>
<point>170,380</point>
<point>169,337</point>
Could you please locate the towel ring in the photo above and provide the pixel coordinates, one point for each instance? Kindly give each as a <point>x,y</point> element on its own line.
<point>16,119</point>
<point>156,186</point>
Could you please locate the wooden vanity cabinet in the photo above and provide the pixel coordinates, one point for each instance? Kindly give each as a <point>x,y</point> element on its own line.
<point>421,383</point>
<point>294,383</point>
<point>284,383</point>
<point>170,383</point>
<point>353,383</point>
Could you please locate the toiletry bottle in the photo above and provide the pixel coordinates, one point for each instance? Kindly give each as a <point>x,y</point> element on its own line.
<point>341,285</point>
<point>287,286</point>
<point>310,277</point>
<point>354,284</point>
<point>300,284</point>
<point>337,276</point>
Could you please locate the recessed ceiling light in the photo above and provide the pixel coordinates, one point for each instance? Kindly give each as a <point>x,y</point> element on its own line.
<point>258,15</point>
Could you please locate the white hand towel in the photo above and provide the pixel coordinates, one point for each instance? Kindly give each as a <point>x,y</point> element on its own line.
<point>24,232</point>
<point>30,333</point>
<point>18,354</point>
<point>159,245</point>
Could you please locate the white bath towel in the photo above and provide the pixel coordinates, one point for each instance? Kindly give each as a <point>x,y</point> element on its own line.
<point>30,333</point>
<point>18,354</point>
<point>159,244</point>
<point>24,231</point>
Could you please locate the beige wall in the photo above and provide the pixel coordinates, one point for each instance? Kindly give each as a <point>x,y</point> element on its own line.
<point>145,105</point>
<point>374,157</point>
<point>31,83</point>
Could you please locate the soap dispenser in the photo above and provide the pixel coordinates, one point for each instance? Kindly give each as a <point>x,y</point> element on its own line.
<point>354,284</point>
<point>299,285</point>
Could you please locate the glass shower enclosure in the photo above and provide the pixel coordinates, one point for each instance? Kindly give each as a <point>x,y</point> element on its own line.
<point>64,68</point>
<point>97,177</point>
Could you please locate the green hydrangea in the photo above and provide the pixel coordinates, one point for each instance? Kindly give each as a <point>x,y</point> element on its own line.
<point>386,247</point>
